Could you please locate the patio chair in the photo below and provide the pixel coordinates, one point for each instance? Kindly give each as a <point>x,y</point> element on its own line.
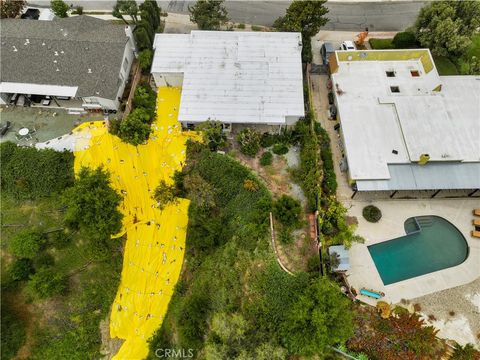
<point>476,222</point>
<point>475,233</point>
<point>476,212</point>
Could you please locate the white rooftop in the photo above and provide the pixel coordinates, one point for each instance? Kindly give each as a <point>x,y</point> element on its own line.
<point>237,77</point>
<point>431,114</point>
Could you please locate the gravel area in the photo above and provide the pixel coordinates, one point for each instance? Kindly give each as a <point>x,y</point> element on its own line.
<point>456,312</point>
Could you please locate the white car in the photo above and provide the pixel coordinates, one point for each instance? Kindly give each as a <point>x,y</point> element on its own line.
<point>348,45</point>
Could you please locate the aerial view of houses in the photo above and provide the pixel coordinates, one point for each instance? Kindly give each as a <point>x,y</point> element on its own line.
<point>230,179</point>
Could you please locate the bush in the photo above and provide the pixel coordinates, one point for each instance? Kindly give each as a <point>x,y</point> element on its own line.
<point>165,195</point>
<point>145,98</point>
<point>280,149</point>
<point>135,129</point>
<point>371,213</point>
<point>78,10</point>
<point>266,158</point>
<point>256,28</point>
<point>46,283</point>
<point>213,135</point>
<point>241,26</point>
<point>268,140</point>
<point>145,60</point>
<point>378,44</point>
<point>26,244</point>
<point>287,210</point>
<point>28,173</point>
<point>21,269</point>
<point>249,140</point>
<point>404,40</point>
<point>114,126</point>
<point>285,235</point>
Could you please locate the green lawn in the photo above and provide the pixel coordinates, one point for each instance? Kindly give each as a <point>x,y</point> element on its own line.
<point>445,66</point>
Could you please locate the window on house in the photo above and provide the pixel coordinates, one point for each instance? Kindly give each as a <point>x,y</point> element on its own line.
<point>390,73</point>
<point>415,73</point>
<point>394,89</point>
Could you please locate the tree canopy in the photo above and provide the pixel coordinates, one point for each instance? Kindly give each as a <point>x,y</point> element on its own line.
<point>59,8</point>
<point>446,27</point>
<point>306,17</point>
<point>319,318</point>
<point>164,195</point>
<point>135,128</point>
<point>125,7</point>
<point>46,283</point>
<point>92,205</point>
<point>213,135</point>
<point>11,8</point>
<point>209,14</point>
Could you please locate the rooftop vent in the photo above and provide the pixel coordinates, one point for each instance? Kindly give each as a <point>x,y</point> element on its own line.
<point>43,43</point>
<point>15,49</point>
<point>89,71</point>
<point>56,53</point>
<point>394,89</point>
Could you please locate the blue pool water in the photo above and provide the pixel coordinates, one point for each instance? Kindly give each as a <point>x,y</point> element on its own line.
<point>431,244</point>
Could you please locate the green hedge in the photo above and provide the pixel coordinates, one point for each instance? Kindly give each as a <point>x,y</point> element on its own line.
<point>266,158</point>
<point>28,173</point>
<point>378,44</point>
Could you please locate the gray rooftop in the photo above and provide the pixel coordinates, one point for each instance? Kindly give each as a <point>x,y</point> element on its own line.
<point>432,176</point>
<point>78,51</point>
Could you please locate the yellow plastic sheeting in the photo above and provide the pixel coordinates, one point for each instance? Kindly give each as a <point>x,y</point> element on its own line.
<point>155,239</point>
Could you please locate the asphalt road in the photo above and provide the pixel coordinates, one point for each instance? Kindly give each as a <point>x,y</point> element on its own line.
<point>348,16</point>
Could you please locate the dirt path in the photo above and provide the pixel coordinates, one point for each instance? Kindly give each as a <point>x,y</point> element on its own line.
<point>23,311</point>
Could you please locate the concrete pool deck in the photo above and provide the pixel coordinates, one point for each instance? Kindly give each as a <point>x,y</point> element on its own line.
<point>363,272</point>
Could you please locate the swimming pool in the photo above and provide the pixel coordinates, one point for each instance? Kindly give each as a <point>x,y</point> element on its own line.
<point>431,244</point>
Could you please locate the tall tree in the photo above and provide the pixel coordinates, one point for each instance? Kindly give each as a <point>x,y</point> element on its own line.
<point>92,204</point>
<point>306,17</point>
<point>446,27</point>
<point>319,318</point>
<point>209,14</point>
<point>11,8</point>
<point>126,7</point>
<point>59,8</point>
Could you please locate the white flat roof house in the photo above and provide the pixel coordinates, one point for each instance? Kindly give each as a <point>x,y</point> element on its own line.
<point>403,126</point>
<point>233,77</point>
<point>78,57</point>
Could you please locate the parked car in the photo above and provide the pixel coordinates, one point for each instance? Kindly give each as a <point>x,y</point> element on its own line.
<point>326,50</point>
<point>348,45</point>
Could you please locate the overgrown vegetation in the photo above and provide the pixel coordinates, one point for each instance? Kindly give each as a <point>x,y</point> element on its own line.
<point>136,127</point>
<point>11,8</point>
<point>28,173</point>
<point>232,300</point>
<point>266,158</point>
<point>249,141</point>
<point>53,266</point>
<point>213,135</point>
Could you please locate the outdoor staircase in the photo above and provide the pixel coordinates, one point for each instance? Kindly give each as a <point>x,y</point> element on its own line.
<point>424,221</point>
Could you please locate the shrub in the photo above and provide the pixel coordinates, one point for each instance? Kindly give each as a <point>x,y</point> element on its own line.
<point>280,149</point>
<point>21,269</point>
<point>213,135</point>
<point>164,195</point>
<point>285,235</point>
<point>404,40</point>
<point>92,204</point>
<point>256,28</point>
<point>268,140</point>
<point>26,244</point>
<point>114,126</point>
<point>46,283</point>
<point>145,98</point>
<point>378,44</point>
<point>287,210</point>
<point>249,140</point>
<point>371,213</point>
<point>135,129</point>
<point>241,26</point>
<point>145,60</point>
<point>78,10</point>
<point>266,158</point>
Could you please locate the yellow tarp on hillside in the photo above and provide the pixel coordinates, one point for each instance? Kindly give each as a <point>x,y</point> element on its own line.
<point>155,239</point>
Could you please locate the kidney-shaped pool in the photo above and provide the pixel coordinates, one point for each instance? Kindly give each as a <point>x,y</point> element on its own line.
<point>431,244</point>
